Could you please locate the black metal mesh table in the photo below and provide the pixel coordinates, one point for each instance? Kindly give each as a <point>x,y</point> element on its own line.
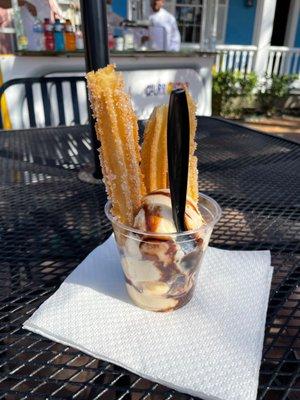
<point>50,221</point>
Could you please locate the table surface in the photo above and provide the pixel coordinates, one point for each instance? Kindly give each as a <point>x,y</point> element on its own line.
<point>50,221</point>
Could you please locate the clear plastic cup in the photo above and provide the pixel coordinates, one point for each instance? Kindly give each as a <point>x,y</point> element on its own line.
<point>161,269</point>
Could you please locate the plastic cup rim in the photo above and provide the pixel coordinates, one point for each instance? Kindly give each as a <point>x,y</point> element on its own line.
<point>215,218</point>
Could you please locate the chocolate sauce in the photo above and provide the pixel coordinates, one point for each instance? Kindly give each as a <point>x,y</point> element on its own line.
<point>181,301</point>
<point>152,249</point>
<point>152,217</point>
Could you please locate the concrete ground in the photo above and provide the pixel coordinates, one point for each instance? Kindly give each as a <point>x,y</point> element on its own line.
<point>285,126</point>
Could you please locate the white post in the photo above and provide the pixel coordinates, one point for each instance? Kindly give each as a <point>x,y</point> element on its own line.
<point>129,10</point>
<point>213,36</point>
<point>204,36</point>
<point>263,28</point>
<point>215,22</point>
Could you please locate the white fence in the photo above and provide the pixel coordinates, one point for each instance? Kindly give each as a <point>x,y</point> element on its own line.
<point>279,60</point>
<point>235,58</point>
<point>283,60</point>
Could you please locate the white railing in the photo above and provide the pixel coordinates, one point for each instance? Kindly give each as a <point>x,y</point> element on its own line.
<point>283,60</point>
<point>279,60</point>
<point>235,58</point>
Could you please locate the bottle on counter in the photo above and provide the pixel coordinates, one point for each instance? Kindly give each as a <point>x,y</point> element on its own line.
<point>119,43</point>
<point>119,39</point>
<point>79,38</point>
<point>48,35</point>
<point>21,38</point>
<point>70,37</point>
<point>59,36</point>
<point>110,37</point>
<point>111,41</point>
<point>38,31</point>
<point>128,39</point>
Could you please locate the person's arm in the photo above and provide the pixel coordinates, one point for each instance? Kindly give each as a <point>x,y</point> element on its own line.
<point>30,7</point>
<point>55,9</point>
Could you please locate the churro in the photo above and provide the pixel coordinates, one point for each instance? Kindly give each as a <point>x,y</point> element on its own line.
<point>154,163</point>
<point>160,258</point>
<point>154,150</point>
<point>117,130</point>
<point>192,188</point>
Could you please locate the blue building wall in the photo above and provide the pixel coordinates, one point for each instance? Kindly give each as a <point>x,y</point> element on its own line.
<point>240,22</point>
<point>120,7</point>
<point>297,38</point>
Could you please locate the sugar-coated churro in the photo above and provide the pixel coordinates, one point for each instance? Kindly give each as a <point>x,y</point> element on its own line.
<point>117,130</point>
<point>192,188</point>
<point>154,163</point>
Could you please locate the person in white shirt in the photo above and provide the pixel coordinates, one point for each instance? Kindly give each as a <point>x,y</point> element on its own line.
<point>164,34</point>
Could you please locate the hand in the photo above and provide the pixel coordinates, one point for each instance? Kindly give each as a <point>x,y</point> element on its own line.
<point>144,39</point>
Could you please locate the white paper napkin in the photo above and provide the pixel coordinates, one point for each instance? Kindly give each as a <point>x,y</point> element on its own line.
<point>210,348</point>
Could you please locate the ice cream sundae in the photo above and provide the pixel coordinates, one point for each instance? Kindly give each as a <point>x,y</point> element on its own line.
<point>161,224</point>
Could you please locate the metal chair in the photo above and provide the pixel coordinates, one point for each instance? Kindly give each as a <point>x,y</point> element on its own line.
<point>46,85</point>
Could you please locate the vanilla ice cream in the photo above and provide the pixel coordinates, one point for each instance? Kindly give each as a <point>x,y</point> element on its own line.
<point>155,214</point>
<point>160,269</point>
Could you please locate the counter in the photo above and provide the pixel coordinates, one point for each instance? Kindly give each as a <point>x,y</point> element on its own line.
<point>149,77</point>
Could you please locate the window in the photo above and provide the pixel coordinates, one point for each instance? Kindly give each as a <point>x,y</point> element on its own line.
<point>196,19</point>
<point>189,16</point>
<point>136,10</point>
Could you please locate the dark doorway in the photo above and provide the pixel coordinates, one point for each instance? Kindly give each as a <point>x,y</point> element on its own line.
<point>280,22</point>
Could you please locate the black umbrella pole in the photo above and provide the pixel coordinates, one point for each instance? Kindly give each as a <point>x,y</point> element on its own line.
<point>94,27</point>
